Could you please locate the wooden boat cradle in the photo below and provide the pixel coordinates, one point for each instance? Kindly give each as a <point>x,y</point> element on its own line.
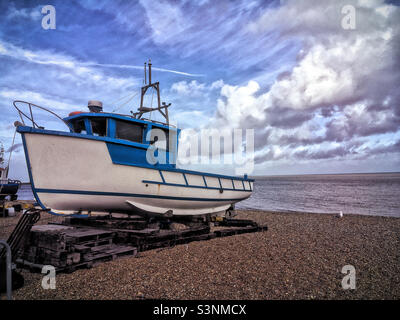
<point>85,242</point>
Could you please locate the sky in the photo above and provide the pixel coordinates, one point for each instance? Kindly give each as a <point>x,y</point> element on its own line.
<point>319,88</point>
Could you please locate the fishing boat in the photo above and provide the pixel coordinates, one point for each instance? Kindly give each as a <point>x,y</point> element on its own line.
<point>8,187</point>
<point>109,162</point>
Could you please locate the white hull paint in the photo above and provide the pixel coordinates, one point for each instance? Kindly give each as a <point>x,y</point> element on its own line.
<point>70,174</point>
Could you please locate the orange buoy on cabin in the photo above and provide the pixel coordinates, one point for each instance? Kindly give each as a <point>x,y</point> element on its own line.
<point>74,113</point>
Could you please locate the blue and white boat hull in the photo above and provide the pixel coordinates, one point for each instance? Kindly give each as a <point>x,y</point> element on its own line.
<point>71,173</point>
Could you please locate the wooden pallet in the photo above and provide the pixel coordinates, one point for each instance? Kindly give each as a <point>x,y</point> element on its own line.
<point>106,222</point>
<point>236,223</point>
<point>83,235</point>
<point>108,253</point>
<point>94,258</point>
<point>69,247</point>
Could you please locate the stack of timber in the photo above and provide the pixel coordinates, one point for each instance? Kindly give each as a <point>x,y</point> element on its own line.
<point>237,226</point>
<point>85,242</point>
<point>143,234</point>
<point>153,239</point>
<point>111,222</point>
<point>68,248</point>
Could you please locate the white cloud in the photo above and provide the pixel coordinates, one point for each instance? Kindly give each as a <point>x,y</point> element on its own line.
<point>44,57</point>
<point>326,75</point>
<point>39,98</point>
<point>217,84</point>
<point>342,89</point>
<point>166,20</point>
<point>195,88</point>
<point>3,50</point>
<point>75,75</point>
<point>319,19</point>
<point>192,88</point>
<point>184,119</point>
<point>239,102</point>
<point>336,66</point>
<point>23,13</point>
<point>56,59</point>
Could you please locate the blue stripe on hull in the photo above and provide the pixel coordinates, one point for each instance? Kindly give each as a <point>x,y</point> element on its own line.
<point>133,195</point>
<point>195,186</point>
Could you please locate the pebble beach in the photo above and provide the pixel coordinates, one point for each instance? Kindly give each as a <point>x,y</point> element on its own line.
<point>300,256</point>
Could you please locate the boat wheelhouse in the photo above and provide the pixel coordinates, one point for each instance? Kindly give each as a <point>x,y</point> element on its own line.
<point>128,139</point>
<point>8,187</point>
<point>109,162</point>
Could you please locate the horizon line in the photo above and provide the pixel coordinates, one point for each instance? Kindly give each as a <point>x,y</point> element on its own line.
<point>319,174</point>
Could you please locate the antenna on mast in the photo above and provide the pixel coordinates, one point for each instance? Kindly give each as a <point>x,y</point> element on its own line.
<point>145,81</point>
<point>149,71</point>
<point>163,109</point>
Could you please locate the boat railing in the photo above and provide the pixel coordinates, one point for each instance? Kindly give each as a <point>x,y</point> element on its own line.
<point>159,122</point>
<point>30,117</point>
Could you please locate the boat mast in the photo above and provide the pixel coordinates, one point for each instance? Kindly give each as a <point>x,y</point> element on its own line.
<point>1,153</point>
<point>2,170</point>
<point>162,108</point>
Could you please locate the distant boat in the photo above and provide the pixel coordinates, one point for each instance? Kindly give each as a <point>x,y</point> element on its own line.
<point>100,165</point>
<point>8,187</point>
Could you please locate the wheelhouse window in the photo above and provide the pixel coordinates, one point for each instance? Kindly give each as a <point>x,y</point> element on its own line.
<point>129,131</point>
<point>79,126</point>
<point>160,137</point>
<point>99,126</point>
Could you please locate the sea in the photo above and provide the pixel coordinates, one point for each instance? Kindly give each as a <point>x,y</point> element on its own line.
<point>376,194</point>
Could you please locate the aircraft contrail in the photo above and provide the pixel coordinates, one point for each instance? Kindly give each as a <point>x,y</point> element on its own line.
<point>26,55</point>
<point>125,66</point>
